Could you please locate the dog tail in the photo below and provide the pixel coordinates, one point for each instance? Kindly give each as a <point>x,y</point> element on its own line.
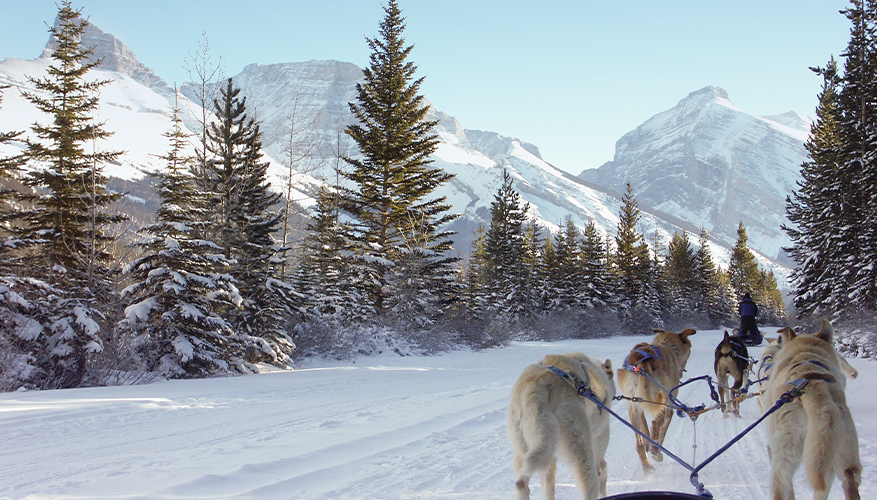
<point>851,480</point>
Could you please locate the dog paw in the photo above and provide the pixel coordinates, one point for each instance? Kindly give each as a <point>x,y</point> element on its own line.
<point>648,468</point>
<point>657,455</point>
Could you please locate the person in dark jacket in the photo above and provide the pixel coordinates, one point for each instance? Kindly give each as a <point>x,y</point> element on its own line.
<point>748,328</point>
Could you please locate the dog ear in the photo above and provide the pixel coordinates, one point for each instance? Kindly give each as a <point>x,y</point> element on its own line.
<point>827,332</point>
<point>726,337</point>
<point>787,333</point>
<point>608,367</point>
<point>687,332</point>
<point>658,330</point>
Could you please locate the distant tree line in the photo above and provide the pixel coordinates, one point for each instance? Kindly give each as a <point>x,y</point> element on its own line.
<point>209,288</point>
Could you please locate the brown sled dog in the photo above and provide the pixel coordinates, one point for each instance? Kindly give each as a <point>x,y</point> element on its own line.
<point>732,361</point>
<point>663,361</point>
<point>817,426</point>
<point>548,419</point>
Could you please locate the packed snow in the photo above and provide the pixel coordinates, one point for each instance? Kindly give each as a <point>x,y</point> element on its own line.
<point>384,427</point>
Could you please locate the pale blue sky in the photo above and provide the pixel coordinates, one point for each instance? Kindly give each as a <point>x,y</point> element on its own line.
<point>571,76</point>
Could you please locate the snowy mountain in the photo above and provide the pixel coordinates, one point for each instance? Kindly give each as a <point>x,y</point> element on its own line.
<point>714,165</point>
<point>303,111</point>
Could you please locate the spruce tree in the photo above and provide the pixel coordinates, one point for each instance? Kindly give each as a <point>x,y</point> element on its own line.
<point>746,276</point>
<point>816,211</point>
<point>505,248</point>
<point>596,291</point>
<point>244,219</point>
<point>70,217</point>
<point>679,293</point>
<point>180,283</point>
<point>393,177</point>
<point>325,279</point>
<point>715,298</point>
<point>633,271</point>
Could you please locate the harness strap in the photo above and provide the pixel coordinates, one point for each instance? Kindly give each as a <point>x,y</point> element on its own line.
<point>645,356</point>
<point>765,367</point>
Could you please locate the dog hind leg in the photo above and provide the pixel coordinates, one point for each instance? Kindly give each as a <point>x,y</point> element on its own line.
<point>549,480</point>
<point>638,420</point>
<point>576,449</point>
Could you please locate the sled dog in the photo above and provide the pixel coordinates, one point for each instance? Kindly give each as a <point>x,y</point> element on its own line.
<point>732,361</point>
<point>766,363</point>
<point>548,420</point>
<point>817,426</point>
<point>662,361</point>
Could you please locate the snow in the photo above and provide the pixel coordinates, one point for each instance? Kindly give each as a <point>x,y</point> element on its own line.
<point>384,427</point>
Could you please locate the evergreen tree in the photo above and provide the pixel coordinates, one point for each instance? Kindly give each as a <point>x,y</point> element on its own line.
<point>716,300</point>
<point>747,277</point>
<point>596,292</point>
<point>567,269</point>
<point>815,210</point>
<point>678,279</point>
<point>70,217</point>
<point>180,282</point>
<point>476,277</point>
<point>243,222</point>
<point>393,178</point>
<point>505,248</point>
<point>742,268</point>
<point>633,271</point>
<point>326,280</point>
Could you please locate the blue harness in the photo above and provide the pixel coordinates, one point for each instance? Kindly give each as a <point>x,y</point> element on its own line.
<point>645,355</point>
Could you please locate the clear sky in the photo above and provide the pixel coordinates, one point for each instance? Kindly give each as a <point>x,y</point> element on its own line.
<point>571,76</point>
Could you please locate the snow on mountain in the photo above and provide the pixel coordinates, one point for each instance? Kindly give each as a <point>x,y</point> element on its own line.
<point>714,165</point>
<point>313,98</point>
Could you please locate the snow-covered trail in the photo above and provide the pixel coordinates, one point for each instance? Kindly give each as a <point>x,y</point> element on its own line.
<point>382,428</point>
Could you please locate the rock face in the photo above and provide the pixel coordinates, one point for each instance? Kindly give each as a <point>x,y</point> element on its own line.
<point>703,163</point>
<point>714,165</point>
<point>115,56</point>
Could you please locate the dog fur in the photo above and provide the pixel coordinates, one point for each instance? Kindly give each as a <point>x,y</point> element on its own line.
<point>816,427</point>
<point>731,361</point>
<point>548,420</point>
<point>665,367</point>
<point>773,346</point>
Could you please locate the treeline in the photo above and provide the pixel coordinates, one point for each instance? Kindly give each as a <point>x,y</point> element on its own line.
<point>580,283</point>
<point>834,231</point>
<point>212,288</point>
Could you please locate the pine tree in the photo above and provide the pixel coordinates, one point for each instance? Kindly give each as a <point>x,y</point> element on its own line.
<point>70,219</point>
<point>678,280</point>
<point>858,171</point>
<point>393,178</point>
<point>476,278</point>
<point>716,300</point>
<point>816,210</point>
<point>566,270</point>
<point>747,277</point>
<point>180,282</point>
<point>243,222</point>
<point>633,271</point>
<point>326,281</point>
<point>505,248</point>
<point>596,292</point>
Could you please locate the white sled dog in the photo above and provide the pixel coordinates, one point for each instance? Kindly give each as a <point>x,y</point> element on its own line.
<point>548,420</point>
<point>664,361</point>
<point>816,427</point>
<point>767,360</point>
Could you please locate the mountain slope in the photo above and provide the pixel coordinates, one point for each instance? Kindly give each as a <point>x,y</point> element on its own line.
<point>313,98</point>
<point>714,165</point>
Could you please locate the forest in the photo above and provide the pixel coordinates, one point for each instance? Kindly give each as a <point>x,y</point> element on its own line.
<point>214,287</point>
